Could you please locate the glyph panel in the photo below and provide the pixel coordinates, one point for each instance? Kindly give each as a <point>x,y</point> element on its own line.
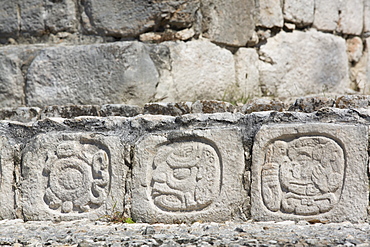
<point>79,176</point>
<point>310,171</point>
<point>183,176</point>
<point>7,180</point>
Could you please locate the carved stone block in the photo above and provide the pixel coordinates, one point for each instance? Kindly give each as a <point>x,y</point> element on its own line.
<point>185,176</point>
<point>310,171</point>
<point>6,180</point>
<point>72,176</point>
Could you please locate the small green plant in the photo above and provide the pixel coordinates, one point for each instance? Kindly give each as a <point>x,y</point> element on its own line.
<point>117,216</point>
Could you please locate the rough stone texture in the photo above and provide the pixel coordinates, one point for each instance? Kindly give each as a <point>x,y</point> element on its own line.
<point>68,176</point>
<point>228,22</point>
<point>257,105</point>
<point>9,26</point>
<point>366,17</point>
<point>60,16</point>
<point>310,171</point>
<point>190,175</point>
<point>351,17</point>
<point>193,70</point>
<point>94,74</point>
<point>269,13</point>
<point>11,81</point>
<point>130,18</point>
<point>326,15</point>
<point>298,12</point>
<point>303,63</point>
<point>311,104</point>
<point>32,17</point>
<point>353,101</point>
<point>247,74</point>
<point>7,179</point>
<point>354,49</point>
<point>20,114</point>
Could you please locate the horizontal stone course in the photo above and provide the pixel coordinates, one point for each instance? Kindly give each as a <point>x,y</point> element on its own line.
<point>72,168</point>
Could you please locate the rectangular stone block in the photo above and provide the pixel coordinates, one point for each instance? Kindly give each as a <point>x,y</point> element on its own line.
<point>189,175</point>
<point>7,207</point>
<point>68,176</point>
<point>310,172</point>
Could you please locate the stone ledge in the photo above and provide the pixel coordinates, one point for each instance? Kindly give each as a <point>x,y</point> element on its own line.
<point>87,166</point>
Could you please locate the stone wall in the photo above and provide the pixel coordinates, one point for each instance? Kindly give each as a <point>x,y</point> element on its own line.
<point>134,52</point>
<point>175,163</point>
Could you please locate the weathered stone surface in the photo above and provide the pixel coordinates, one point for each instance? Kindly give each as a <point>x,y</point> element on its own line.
<point>60,16</point>
<point>269,13</point>
<point>190,175</point>
<point>247,74</point>
<point>256,105</point>
<point>7,179</point>
<point>351,17</point>
<point>353,101</point>
<point>354,49</point>
<point>20,114</point>
<point>32,17</point>
<point>195,70</point>
<point>360,72</point>
<point>228,22</point>
<point>11,81</point>
<point>303,63</point>
<point>301,13</point>
<point>311,104</point>
<point>68,176</point>
<point>9,26</point>
<point>120,110</point>
<point>130,18</point>
<point>121,72</point>
<point>310,171</point>
<point>173,109</point>
<point>326,15</point>
<point>366,16</point>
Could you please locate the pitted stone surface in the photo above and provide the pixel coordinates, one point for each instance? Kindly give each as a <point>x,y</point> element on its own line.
<point>184,176</point>
<point>7,179</point>
<point>310,171</point>
<point>72,176</point>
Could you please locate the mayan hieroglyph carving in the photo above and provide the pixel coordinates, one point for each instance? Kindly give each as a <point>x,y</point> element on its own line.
<point>310,171</point>
<point>303,176</point>
<point>186,176</point>
<point>78,177</point>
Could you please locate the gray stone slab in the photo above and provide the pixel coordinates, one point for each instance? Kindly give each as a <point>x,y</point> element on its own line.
<point>186,176</point>
<point>299,12</point>
<point>7,182</point>
<point>120,72</point>
<point>310,172</point>
<point>9,26</point>
<point>68,176</point>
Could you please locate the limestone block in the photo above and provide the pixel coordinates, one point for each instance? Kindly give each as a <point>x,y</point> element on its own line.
<point>326,15</point>
<point>303,63</point>
<point>354,49</point>
<point>68,176</point>
<point>186,176</point>
<point>32,17</point>
<point>299,12</point>
<point>366,16</point>
<point>120,72</point>
<point>269,13</point>
<point>20,114</point>
<point>60,16</point>
<point>130,18</point>
<point>197,70</point>
<point>310,171</point>
<point>9,26</point>
<point>360,72</point>
<point>247,74</point>
<point>351,17</point>
<point>11,80</point>
<point>228,22</point>
<point>7,180</point>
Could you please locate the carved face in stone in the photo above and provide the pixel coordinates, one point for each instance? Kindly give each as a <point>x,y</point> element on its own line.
<point>186,176</point>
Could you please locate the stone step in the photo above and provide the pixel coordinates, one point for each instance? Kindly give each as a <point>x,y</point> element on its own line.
<point>190,167</point>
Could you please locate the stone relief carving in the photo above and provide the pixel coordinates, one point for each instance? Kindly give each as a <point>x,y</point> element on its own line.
<point>78,177</point>
<point>303,176</point>
<point>186,176</point>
